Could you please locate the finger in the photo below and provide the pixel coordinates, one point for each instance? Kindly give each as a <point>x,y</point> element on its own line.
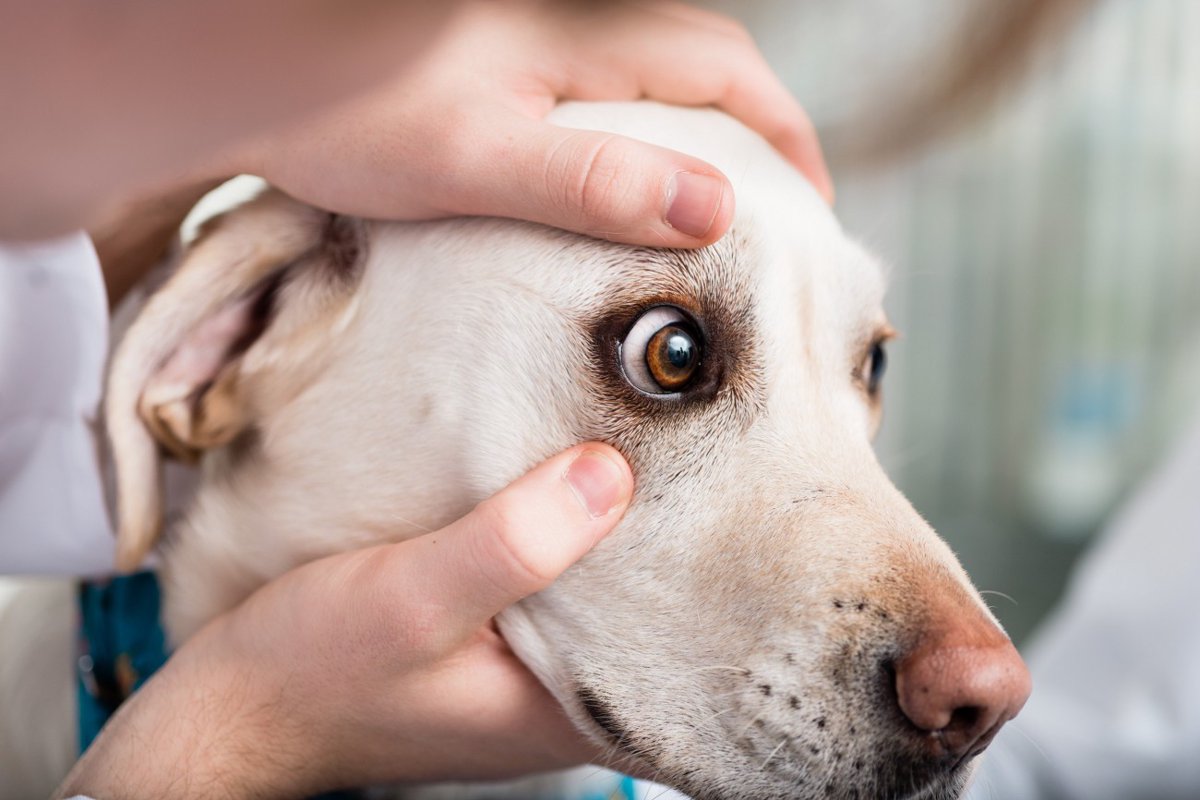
<point>747,90</point>
<point>770,109</point>
<point>599,184</point>
<point>715,65</point>
<point>518,541</point>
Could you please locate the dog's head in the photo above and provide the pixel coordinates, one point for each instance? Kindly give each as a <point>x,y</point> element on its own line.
<point>771,618</point>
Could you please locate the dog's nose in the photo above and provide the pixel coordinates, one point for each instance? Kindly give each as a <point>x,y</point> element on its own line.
<point>960,686</point>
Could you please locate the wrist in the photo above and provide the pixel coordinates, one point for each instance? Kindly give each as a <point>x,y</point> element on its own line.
<point>207,725</point>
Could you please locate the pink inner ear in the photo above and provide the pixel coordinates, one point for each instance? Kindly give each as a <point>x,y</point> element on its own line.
<point>209,346</point>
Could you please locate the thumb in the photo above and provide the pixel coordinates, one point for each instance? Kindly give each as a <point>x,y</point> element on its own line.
<point>599,184</point>
<point>519,540</point>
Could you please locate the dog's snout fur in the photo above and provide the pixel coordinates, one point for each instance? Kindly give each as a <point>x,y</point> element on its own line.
<point>771,618</point>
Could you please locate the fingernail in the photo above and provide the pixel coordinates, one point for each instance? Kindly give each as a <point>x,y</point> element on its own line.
<point>597,483</point>
<point>693,201</point>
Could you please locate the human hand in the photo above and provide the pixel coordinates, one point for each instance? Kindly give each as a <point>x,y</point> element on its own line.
<point>462,130</point>
<point>372,666</point>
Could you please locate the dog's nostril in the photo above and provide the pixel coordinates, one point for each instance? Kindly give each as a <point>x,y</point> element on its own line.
<point>888,668</point>
<point>964,718</point>
<point>959,691</point>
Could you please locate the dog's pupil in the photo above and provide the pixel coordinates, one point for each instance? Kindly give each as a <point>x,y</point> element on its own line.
<point>878,367</point>
<point>672,356</point>
<point>680,349</point>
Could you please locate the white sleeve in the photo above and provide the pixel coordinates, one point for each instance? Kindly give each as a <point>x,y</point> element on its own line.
<point>53,342</point>
<point>1115,710</point>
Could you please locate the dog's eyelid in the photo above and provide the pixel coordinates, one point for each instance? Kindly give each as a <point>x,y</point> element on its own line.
<point>881,335</point>
<point>871,361</point>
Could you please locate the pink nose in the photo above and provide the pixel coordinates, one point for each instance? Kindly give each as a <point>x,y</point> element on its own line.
<point>961,685</point>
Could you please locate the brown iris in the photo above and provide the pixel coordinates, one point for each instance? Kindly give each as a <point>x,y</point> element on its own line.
<point>672,357</point>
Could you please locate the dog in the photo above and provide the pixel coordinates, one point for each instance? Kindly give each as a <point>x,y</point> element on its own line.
<point>770,619</point>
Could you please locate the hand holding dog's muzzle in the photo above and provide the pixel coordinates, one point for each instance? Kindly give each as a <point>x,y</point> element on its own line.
<point>374,666</point>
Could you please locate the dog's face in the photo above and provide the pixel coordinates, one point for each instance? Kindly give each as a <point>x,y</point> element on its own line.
<point>771,618</point>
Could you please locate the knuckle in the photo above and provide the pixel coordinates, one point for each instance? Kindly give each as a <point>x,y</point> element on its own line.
<point>587,172</point>
<point>505,530</point>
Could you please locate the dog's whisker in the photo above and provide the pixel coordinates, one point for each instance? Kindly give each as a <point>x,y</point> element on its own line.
<point>596,770</point>
<point>749,725</point>
<point>729,668</point>
<point>711,717</point>
<point>412,523</point>
<point>1008,597</point>
<point>606,760</point>
<point>989,786</point>
<point>773,753</point>
<point>613,749</point>
<point>663,793</point>
<point>1031,740</point>
<point>739,691</point>
<point>654,779</point>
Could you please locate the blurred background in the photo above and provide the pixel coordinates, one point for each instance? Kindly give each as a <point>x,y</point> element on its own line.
<point>1042,220</point>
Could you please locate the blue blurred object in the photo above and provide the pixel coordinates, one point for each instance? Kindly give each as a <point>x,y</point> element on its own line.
<point>121,644</point>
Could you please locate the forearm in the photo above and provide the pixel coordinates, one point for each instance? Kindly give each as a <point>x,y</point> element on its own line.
<point>105,100</point>
<point>202,727</point>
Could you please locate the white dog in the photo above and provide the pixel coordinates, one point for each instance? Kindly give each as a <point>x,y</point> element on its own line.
<point>771,618</point>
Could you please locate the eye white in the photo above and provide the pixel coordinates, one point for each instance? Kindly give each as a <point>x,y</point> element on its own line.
<point>633,348</point>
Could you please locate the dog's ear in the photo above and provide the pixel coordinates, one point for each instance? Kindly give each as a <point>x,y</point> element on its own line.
<point>238,330</point>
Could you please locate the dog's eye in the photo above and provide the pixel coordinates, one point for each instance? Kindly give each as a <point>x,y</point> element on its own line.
<point>662,352</point>
<point>875,367</point>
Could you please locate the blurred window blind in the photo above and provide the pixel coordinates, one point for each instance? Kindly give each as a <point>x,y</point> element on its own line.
<point>1046,268</point>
